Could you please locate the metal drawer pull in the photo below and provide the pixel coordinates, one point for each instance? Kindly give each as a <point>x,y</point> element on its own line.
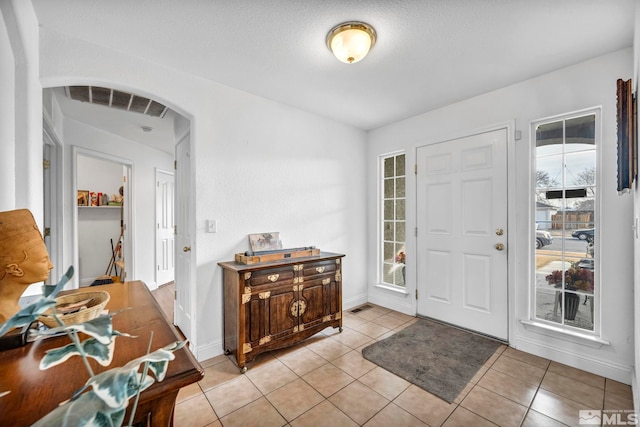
<point>273,277</point>
<point>326,281</point>
<point>320,269</point>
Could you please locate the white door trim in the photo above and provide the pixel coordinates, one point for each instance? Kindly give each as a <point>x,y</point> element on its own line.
<point>53,209</point>
<point>185,317</point>
<point>128,214</point>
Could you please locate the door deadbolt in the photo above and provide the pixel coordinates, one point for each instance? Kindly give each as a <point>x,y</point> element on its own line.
<point>499,232</point>
<point>499,246</point>
<point>186,249</point>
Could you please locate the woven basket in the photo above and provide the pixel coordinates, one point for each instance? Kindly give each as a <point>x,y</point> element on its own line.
<point>94,307</point>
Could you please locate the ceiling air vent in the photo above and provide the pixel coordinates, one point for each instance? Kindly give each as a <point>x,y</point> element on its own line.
<point>116,99</point>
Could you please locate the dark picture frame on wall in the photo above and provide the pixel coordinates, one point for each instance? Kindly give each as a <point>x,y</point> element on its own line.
<point>626,119</point>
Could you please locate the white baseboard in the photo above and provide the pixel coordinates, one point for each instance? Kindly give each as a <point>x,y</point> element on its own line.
<point>348,304</point>
<point>604,368</point>
<point>207,351</point>
<point>634,389</point>
<point>397,304</point>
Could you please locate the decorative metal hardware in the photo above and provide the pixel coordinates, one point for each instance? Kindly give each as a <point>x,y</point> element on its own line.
<point>296,280</point>
<point>264,295</point>
<point>499,246</point>
<point>499,232</point>
<point>326,318</point>
<point>298,308</point>
<point>273,277</point>
<point>320,269</point>
<point>186,249</point>
<point>298,288</point>
<point>264,340</point>
<point>247,289</point>
<point>246,298</point>
<point>297,267</point>
<point>338,261</point>
<point>338,277</point>
<point>326,281</point>
<point>246,348</point>
<point>247,275</point>
<point>338,316</point>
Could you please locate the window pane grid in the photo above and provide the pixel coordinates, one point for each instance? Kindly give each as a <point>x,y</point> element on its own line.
<point>565,201</point>
<point>393,220</point>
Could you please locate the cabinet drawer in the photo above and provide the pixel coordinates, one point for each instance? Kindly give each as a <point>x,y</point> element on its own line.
<point>322,268</point>
<point>277,276</point>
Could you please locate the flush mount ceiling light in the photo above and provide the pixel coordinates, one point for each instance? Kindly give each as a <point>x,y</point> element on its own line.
<point>351,41</point>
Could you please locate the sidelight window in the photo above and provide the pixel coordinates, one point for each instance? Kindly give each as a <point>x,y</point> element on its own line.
<point>393,220</point>
<point>565,204</point>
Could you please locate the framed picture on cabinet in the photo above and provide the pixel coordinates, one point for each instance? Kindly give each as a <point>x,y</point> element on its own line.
<point>265,241</point>
<point>83,198</point>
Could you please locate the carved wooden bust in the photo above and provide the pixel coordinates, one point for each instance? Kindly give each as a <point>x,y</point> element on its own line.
<point>24,259</point>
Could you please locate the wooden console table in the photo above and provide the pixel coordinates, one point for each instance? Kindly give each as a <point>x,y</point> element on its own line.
<point>34,393</point>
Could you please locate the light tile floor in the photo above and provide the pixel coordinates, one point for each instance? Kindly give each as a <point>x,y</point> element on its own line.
<point>325,381</point>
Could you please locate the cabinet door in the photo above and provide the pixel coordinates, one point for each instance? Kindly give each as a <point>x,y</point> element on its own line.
<point>268,313</point>
<point>320,294</point>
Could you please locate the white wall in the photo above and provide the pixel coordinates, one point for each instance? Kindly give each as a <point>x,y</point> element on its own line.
<point>585,85</point>
<point>259,166</point>
<point>20,112</point>
<point>636,216</point>
<point>21,126</point>
<point>7,120</point>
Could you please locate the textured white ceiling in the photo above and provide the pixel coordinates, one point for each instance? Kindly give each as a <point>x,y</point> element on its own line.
<point>429,53</point>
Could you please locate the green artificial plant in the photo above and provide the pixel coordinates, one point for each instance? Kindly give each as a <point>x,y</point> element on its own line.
<point>104,398</point>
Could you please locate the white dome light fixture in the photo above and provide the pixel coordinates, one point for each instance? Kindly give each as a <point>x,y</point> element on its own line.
<point>351,41</point>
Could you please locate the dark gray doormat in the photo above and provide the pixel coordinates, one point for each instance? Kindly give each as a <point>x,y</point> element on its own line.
<point>438,358</point>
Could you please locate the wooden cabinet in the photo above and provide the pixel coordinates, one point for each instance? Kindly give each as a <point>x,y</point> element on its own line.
<point>275,304</point>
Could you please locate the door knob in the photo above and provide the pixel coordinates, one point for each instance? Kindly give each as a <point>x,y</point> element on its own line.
<point>499,246</point>
<point>186,249</point>
<point>499,232</point>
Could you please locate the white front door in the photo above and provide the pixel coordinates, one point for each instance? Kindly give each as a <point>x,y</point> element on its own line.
<point>462,221</point>
<point>165,231</point>
<point>183,306</point>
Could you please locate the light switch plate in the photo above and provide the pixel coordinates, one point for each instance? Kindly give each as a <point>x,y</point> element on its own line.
<point>212,226</point>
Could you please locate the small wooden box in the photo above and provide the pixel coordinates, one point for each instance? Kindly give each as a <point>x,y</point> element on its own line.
<point>254,259</point>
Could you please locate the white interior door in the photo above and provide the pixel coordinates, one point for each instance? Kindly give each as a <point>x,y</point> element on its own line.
<point>183,240</point>
<point>462,221</point>
<point>165,231</point>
